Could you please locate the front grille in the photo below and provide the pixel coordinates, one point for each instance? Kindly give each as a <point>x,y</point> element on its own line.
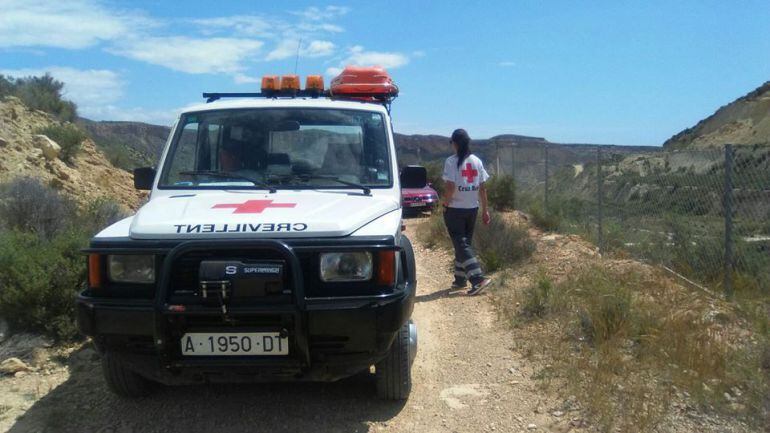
<point>184,279</point>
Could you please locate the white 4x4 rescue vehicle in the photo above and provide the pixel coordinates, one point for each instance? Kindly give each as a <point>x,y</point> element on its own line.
<point>270,248</point>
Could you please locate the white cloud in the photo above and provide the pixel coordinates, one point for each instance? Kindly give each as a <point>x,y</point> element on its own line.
<point>320,14</point>
<point>240,78</point>
<point>333,71</point>
<point>192,55</point>
<point>358,56</point>
<point>288,48</point>
<point>506,64</point>
<point>90,89</point>
<point>71,24</point>
<point>242,25</point>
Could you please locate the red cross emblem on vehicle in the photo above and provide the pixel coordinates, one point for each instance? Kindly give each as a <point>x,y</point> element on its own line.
<point>469,173</point>
<point>251,206</point>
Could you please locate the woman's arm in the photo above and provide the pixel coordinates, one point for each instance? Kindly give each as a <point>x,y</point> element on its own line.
<point>483,199</point>
<point>449,190</point>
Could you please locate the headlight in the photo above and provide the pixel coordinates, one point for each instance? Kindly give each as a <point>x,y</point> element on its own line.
<point>131,268</point>
<point>350,266</point>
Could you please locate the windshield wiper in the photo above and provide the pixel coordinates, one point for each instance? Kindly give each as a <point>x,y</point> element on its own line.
<point>306,177</point>
<point>229,175</point>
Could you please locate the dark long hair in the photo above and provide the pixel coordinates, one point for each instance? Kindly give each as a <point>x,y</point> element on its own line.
<point>463,141</point>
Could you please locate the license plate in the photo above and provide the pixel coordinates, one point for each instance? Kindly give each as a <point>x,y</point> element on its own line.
<point>234,344</point>
<point>417,204</point>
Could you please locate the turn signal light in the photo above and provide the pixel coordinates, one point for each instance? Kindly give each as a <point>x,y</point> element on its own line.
<point>290,82</point>
<point>386,270</point>
<point>314,82</point>
<point>270,83</point>
<point>94,271</point>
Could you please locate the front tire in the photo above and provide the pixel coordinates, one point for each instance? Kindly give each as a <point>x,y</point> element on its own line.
<point>123,381</point>
<point>394,373</point>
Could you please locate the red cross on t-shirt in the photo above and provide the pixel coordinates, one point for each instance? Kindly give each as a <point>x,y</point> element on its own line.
<point>469,173</point>
<point>252,206</point>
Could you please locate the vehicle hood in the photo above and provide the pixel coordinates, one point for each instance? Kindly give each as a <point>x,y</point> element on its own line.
<point>246,214</point>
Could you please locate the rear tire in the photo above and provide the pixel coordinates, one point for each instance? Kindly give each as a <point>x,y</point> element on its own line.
<point>123,381</point>
<point>394,373</point>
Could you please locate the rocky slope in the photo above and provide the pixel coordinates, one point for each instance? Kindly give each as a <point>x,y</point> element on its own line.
<point>743,121</point>
<point>143,141</point>
<point>24,153</point>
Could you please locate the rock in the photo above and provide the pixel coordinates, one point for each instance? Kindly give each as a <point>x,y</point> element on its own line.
<point>13,365</point>
<point>50,148</point>
<point>3,142</point>
<point>557,413</point>
<point>531,426</point>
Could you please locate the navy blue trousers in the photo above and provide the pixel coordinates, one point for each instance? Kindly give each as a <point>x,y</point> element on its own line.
<point>460,224</point>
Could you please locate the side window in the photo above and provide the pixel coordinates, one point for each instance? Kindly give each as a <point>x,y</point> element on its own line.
<point>184,153</point>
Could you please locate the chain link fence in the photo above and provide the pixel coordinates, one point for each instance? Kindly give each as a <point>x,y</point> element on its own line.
<point>701,213</point>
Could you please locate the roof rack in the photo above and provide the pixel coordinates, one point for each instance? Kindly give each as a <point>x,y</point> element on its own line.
<point>382,98</point>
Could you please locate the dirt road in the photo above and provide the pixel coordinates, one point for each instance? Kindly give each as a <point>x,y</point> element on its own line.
<point>467,377</point>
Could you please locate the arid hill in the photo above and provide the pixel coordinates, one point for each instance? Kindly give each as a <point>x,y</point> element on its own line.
<point>743,121</point>
<point>23,152</point>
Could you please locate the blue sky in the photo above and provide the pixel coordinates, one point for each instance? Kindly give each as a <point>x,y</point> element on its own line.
<point>621,72</point>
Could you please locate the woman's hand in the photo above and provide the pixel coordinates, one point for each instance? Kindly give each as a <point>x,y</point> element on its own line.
<point>486,218</point>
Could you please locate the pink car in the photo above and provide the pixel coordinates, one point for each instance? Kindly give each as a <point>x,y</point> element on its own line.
<point>419,199</point>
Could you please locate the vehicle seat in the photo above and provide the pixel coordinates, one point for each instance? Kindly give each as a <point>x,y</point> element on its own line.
<point>343,160</point>
<point>278,164</point>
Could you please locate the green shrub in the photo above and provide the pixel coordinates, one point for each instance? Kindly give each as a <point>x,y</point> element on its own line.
<point>39,280</point>
<point>41,265</point>
<point>68,136</point>
<point>433,233</point>
<point>501,192</point>
<point>435,171</point>
<point>29,206</point>
<point>501,243</point>
<point>537,297</point>
<point>546,220</point>
<point>41,93</point>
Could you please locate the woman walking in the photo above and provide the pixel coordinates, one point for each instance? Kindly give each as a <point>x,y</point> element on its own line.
<point>464,176</point>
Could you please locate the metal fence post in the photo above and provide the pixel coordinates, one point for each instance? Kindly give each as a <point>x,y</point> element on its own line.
<point>513,175</point>
<point>728,211</point>
<point>545,192</point>
<point>599,200</point>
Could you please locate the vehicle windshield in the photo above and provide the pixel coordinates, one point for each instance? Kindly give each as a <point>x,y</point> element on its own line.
<point>282,148</point>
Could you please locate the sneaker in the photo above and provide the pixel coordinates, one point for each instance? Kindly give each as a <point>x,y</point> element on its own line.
<point>459,284</point>
<point>479,287</point>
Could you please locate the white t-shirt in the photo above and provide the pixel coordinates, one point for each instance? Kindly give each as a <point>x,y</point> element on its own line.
<point>467,179</point>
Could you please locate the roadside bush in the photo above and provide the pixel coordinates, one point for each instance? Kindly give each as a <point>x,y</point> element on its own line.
<point>41,93</point>
<point>39,280</point>
<point>501,243</point>
<point>433,233</point>
<point>545,220</point>
<point>68,136</point>
<point>435,171</point>
<point>501,192</point>
<point>41,266</point>
<point>537,297</point>
<point>605,305</point>
<point>26,205</point>
<point>100,213</point>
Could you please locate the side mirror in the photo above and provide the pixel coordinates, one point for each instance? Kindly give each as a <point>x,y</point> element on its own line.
<point>143,178</point>
<point>414,176</point>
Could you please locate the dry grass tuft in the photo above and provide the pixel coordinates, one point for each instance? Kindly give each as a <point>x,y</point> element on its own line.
<point>632,343</point>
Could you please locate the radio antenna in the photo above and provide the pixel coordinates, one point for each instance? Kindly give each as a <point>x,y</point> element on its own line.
<point>296,60</point>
